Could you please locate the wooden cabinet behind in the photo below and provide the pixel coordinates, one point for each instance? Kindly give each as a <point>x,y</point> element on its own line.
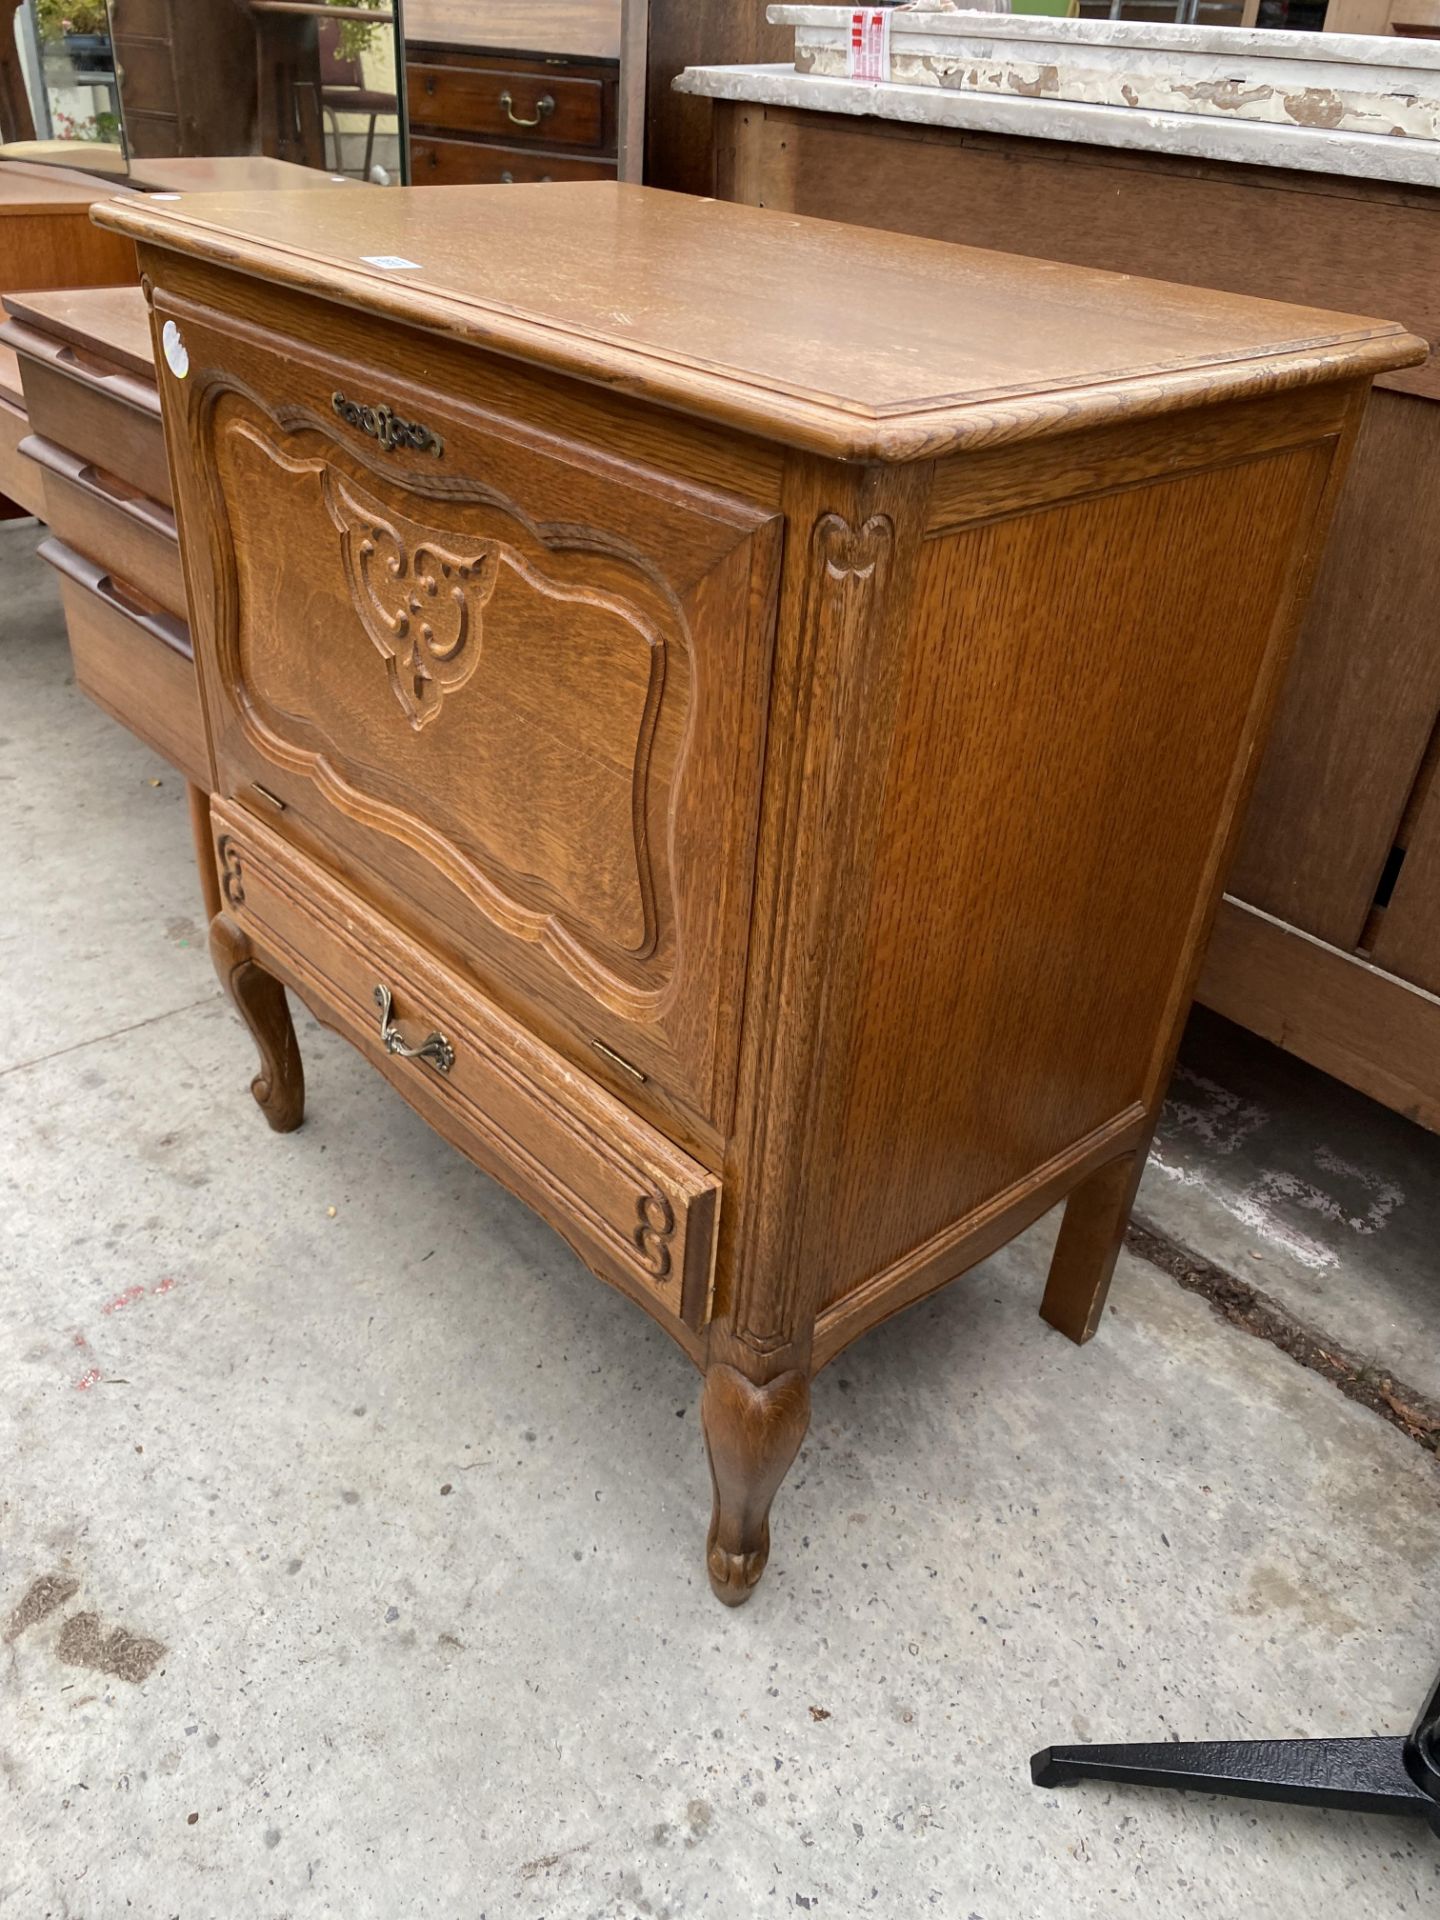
<point>1329,939</point>
<point>507,92</point>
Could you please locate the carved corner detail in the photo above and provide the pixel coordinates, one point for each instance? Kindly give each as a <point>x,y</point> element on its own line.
<point>232,881</point>
<point>654,1232</point>
<point>848,578</point>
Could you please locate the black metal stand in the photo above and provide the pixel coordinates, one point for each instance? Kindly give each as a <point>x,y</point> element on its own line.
<point>1394,1775</point>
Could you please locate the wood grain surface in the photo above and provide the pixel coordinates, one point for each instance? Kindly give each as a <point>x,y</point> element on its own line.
<point>587,29</point>
<point>1043,348</point>
<point>846,831</point>
<point>108,323</point>
<point>1322,239</point>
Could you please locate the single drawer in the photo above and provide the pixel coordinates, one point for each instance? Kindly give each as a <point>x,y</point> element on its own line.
<point>97,410</point>
<point>634,1206</point>
<point>548,109</point>
<point>444,163</point>
<point>133,660</point>
<point>18,479</point>
<point>111,523</point>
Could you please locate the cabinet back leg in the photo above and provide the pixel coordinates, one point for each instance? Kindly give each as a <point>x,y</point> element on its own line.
<point>1091,1235</point>
<point>205,850</point>
<point>752,1434</point>
<point>279,1087</point>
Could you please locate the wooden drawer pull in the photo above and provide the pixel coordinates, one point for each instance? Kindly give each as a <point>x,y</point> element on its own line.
<point>86,368</point>
<point>545,106</point>
<point>435,1049</point>
<point>100,483</point>
<point>120,598</point>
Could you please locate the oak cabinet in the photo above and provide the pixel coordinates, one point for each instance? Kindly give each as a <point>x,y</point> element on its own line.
<point>750,760</point>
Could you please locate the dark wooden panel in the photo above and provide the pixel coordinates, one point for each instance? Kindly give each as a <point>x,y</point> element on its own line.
<point>1363,690</point>
<point>147,75</point>
<point>443,163</point>
<point>678,126</point>
<point>1407,940</point>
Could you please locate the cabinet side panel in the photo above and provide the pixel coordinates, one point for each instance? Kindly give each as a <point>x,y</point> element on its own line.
<point>1080,689</point>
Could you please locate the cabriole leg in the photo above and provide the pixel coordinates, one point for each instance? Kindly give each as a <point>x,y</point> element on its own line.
<point>1091,1235</point>
<point>752,1434</point>
<point>279,1087</point>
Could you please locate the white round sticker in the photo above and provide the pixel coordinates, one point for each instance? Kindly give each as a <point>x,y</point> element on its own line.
<point>176,358</point>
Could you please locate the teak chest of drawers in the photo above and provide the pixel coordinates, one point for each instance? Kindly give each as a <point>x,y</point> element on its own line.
<point>93,459</point>
<point>740,719</point>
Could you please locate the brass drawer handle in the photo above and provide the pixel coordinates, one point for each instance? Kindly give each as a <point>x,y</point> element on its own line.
<point>435,1048</point>
<point>544,108</point>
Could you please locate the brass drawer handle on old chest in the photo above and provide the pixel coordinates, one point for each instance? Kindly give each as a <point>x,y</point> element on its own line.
<point>544,107</point>
<point>434,1048</point>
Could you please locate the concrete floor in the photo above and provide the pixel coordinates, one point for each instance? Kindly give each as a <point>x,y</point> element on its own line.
<point>400,1514</point>
<point>1308,1190</point>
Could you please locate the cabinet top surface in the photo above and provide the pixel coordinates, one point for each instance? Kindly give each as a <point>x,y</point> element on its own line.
<point>115,320</point>
<point>584,29</point>
<point>852,342</point>
<point>27,188</point>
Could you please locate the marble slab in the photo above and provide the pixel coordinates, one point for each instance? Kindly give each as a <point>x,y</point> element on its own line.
<point>1328,82</point>
<point>1266,43</point>
<point>1408,162</point>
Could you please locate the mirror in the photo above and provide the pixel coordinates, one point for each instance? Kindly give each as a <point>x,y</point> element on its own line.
<point>131,87</point>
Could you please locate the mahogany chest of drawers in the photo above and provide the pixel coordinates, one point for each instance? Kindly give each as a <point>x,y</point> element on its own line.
<point>507,91</point>
<point>738,718</point>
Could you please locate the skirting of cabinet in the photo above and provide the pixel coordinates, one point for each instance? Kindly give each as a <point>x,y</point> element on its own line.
<point>133,661</point>
<point>639,1211</point>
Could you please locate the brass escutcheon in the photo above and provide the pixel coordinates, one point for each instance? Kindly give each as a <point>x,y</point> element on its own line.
<point>388,428</point>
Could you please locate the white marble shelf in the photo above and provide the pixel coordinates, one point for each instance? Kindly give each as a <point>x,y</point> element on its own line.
<point>1406,162</point>
<point>1231,43</point>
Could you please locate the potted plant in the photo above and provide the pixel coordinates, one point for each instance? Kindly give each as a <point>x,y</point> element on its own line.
<point>356,37</point>
<point>82,27</point>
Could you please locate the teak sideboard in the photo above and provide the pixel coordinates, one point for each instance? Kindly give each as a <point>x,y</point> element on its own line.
<point>740,719</point>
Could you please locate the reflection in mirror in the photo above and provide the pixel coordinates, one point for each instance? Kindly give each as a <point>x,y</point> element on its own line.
<point>139,85</point>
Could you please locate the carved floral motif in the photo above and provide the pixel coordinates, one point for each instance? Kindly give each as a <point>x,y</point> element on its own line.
<point>420,602</point>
